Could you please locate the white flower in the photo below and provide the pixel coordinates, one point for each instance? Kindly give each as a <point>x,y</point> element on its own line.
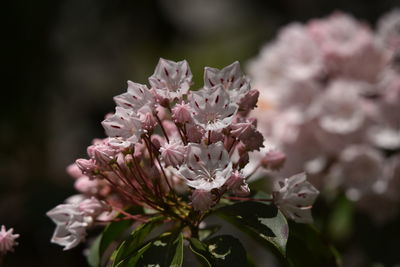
<point>388,29</point>
<point>171,80</point>
<point>92,207</point>
<point>138,98</point>
<point>340,35</point>
<point>359,167</point>
<point>72,220</point>
<point>339,110</point>
<point>123,124</point>
<point>71,225</point>
<point>207,167</point>
<point>294,196</point>
<point>231,78</point>
<point>213,109</point>
<point>7,240</point>
<point>385,137</point>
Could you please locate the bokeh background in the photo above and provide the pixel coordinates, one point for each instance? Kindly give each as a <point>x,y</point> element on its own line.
<point>64,60</point>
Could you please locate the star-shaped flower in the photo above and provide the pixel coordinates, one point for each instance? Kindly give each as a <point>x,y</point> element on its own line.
<point>231,78</point>
<point>72,220</point>
<point>171,80</point>
<point>123,124</point>
<point>212,108</point>
<point>294,196</point>
<point>206,167</point>
<point>138,98</point>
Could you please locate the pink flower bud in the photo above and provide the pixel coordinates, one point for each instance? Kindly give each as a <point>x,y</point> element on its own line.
<point>242,130</point>
<point>86,185</point>
<point>74,171</point>
<point>7,240</point>
<point>216,137</point>
<point>161,112</point>
<point>194,133</point>
<point>103,154</point>
<point>254,141</point>
<point>249,101</point>
<point>138,152</point>
<point>181,113</point>
<point>87,166</point>
<point>90,151</point>
<point>202,200</point>
<point>173,153</point>
<point>237,184</point>
<point>170,128</point>
<point>157,140</point>
<point>273,160</point>
<point>235,181</point>
<point>148,121</point>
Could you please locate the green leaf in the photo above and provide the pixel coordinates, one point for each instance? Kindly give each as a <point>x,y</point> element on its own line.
<point>208,231</point>
<point>135,240</point>
<point>112,232</point>
<point>131,261</point>
<point>164,251</point>
<point>93,257</point>
<point>177,261</point>
<point>262,221</point>
<point>200,250</point>
<point>219,251</point>
<point>306,248</point>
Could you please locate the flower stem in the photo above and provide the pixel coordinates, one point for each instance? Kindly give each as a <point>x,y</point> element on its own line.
<point>250,199</point>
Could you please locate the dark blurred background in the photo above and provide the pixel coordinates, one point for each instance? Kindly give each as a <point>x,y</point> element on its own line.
<point>64,60</point>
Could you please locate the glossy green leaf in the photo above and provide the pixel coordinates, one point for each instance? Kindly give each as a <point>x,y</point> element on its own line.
<point>134,241</point>
<point>165,250</point>
<point>201,252</point>
<point>306,248</point>
<point>263,221</point>
<point>93,257</point>
<point>177,261</point>
<point>208,231</point>
<point>112,232</point>
<point>220,251</point>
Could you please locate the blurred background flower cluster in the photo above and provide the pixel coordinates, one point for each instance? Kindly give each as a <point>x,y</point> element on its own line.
<point>65,60</point>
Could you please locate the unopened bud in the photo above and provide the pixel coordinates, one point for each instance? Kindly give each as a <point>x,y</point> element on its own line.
<point>249,101</point>
<point>148,121</point>
<point>202,200</point>
<point>74,171</point>
<point>104,154</point>
<point>173,153</point>
<point>181,113</point>
<point>237,184</point>
<point>86,185</point>
<point>194,133</point>
<point>273,160</point>
<point>87,166</point>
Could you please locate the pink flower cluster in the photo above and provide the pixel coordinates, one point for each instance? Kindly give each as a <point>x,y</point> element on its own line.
<point>330,100</point>
<point>167,144</point>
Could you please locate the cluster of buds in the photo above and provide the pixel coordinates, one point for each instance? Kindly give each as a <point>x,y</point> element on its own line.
<point>174,150</point>
<point>330,100</point>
